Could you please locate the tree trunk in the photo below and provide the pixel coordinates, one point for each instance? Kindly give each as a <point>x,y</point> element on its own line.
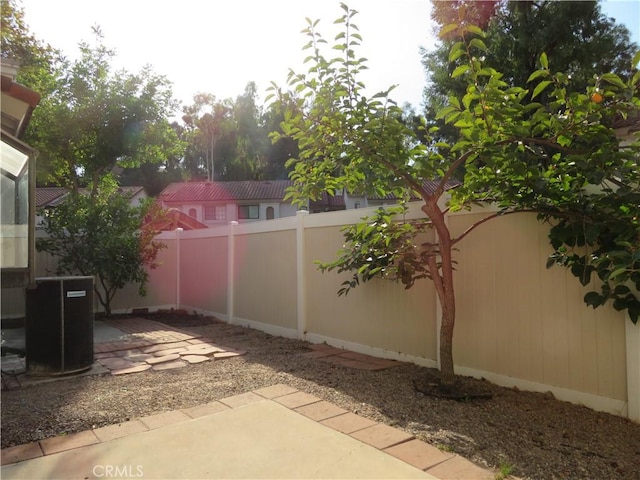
<point>442,277</point>
<point>447,375</point>
<point>104,301</point>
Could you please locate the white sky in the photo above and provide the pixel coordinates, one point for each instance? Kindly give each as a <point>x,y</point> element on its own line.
<point>217,46</point>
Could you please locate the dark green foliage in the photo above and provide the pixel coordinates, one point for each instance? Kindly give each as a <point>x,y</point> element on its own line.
<point>579,39</point>
<point>560,158</point>
<point>101,236</point>
<point>229,140</point>
<point>381,247</point>
<point>96,121</point>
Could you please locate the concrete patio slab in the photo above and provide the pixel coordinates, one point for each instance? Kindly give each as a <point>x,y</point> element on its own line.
<point>253,435</point>
<point>261,440</point>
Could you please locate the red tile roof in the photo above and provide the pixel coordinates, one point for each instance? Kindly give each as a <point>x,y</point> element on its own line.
<point>329,201</point>
<point>219,191</point>
<point>45,196</point>
<point>255,190</point>
<point>52,196</point>
<point>429,185</point>
<point>173,219</point>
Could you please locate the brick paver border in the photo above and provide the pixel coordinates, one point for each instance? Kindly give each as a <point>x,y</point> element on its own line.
<point>390,440</point>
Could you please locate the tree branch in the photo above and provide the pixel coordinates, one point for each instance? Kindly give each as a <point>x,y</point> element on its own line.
<point>435,275</point>
<point>454,166</point>
<point>501,213</point>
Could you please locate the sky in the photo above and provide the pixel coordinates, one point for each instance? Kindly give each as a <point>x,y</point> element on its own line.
<point>218,46</point>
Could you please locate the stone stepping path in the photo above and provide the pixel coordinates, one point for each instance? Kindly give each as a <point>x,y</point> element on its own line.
<point>346,358</point>
<point>155,346</point>
<point>152,345</point>
<point>123,362</point>
<point>195,358</point>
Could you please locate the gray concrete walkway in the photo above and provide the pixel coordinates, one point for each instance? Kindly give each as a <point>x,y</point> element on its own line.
<point>273,433</point>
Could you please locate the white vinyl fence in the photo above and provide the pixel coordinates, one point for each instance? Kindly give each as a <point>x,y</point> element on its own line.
<point>518,323</point>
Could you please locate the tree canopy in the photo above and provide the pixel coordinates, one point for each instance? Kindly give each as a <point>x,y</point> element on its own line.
<point>545,146</point>
<point>102,236</point>
<point>229,139</point>
<point>582,42</point>
<point>96,121</point>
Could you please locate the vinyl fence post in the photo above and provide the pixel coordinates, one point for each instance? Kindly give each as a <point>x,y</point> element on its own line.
<point>301,283</point>
<point>178,231</point>
<point>632,338</point>
<point>231,251</point>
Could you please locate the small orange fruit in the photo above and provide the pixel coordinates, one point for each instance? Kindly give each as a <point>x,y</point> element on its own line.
<point>596,97</point>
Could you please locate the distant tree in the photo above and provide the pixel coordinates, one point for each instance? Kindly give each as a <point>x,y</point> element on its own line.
<point>581,40</point>
<point>210,133</point>
<point>283,149</point>
<point>560,158</point>
<point>155,177</point>
<point>229,140</point>
<point>102,236</point>
<point>249,161</point>
<point>96,122</point>
<point>36,59</point>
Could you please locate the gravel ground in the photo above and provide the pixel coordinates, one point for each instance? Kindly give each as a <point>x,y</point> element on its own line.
<point>535,434</point>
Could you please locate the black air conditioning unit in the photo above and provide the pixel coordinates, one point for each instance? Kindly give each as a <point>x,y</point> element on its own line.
<point>59,326</point>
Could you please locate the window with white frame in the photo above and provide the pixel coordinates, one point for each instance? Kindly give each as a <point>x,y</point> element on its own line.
<point>248,212</point>
<point>215,212</point>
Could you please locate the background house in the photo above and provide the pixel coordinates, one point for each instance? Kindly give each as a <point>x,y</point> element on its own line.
<point>51,197</point>
<point>215,203</point>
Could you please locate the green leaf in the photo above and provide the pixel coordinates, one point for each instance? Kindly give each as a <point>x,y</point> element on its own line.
<point>636,60</point>
<point>544,61</point>
<point>456,51</point>
<point>621,290</point>
<point>613,79</point>
<point>532,106</point>
<point>537,74</point>
<point>479,44</point>
<point>540,88</point>
<point>454,55</point>
<point>477,30</point>
<point>443,112</point>
<point>447,29</point>
<point>462,69</point>
<point>593,299</point>
<point>617,273</point>
<point>463,123</point>
<point>583,273</point>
